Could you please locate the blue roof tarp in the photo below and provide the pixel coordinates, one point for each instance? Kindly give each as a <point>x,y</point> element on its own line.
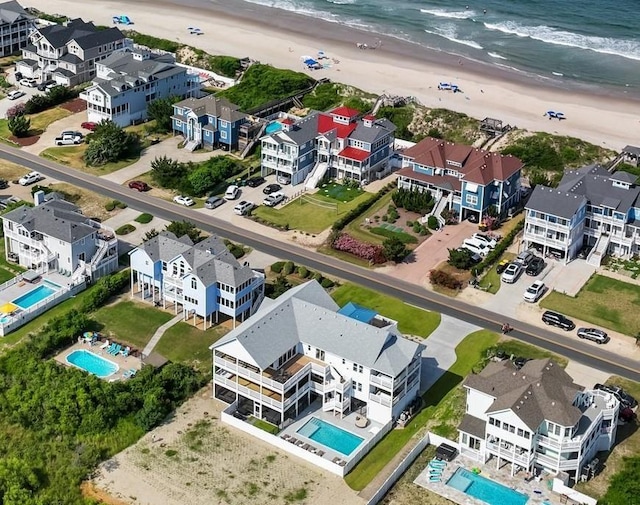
<point>357,312</point>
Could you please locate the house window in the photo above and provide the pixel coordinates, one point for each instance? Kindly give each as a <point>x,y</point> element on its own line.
<point>359,386</point>
<point>355,367</point>
<point>344,361</point>
<point>520,432</point>
<point>472,199</point>
<point>164,266</point>
<point>360,368</point>
<point>194,283</point>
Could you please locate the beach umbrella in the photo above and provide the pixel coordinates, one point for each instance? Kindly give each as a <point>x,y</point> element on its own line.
<point>8,308</point>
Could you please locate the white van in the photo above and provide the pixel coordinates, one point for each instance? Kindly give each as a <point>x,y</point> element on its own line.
<point>476,246</point>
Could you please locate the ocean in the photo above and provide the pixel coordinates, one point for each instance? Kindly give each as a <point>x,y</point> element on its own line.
<point>584,42</point>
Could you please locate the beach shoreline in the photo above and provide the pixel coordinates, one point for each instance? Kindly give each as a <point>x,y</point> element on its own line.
<point>280,38</point>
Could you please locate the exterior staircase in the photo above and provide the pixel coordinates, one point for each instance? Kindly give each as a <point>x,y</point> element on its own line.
<point>97,257</point>
<point>251,143</point>
<point>440,205</point>
<point>192,145</point>
<point>599,251</point>
<point>316,175</point>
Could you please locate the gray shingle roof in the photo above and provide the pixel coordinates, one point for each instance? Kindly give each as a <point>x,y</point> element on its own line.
<point>213,106</point>
<point>624,177</point>
<point>555,202</point>
<point>540,390</point>
<point>85,34</point>
<point>300,133</point>
<point>10,12</point>
<point>370,134</point>
<point>631,150</point>
<point>57,219</point>
<point>473,426</point>
<point>308,314</point>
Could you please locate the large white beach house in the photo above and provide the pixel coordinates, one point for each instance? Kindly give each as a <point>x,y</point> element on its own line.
<point>201,281</point>
<point>535,418</point>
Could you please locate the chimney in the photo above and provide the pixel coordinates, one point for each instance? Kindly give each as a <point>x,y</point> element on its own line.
<point>286,124</point>
<point>368,120</point>
<point>38,198</point>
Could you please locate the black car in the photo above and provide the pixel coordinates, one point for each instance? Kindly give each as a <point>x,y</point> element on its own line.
<point>555,319</point>
<point>271,188</point>
<point>3,184</point>
<point>43,85</point>
<point>622,396</point>
<point>519,362</point>
<point>536,266</point>
<point>254,182</point>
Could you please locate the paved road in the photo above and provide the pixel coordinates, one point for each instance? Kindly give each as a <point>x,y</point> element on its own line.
<point>410,293</point>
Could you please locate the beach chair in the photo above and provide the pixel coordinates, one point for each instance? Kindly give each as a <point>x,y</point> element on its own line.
<point>132,372</point>
<point>115,350</point>
<point>110,347</point>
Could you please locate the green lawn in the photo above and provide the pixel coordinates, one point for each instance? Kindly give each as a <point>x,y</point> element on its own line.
<point>131,322</point>
<point>264,425</point>
<point>339,192</point>
<point>379,208</point>
<point>39,121</point>
<point>492,278</point>
<point>518,348</point>
<point>602,301</point>
<point>5,275</point>
<point>411,320</point>
<point>442,403</point>
<point>307,217</point>
<point>182,343</point>
<point>73,156</point>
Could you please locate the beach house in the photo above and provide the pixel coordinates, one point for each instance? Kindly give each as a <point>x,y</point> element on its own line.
<point>462,178</point>
<point>127,81</point>
<point>54,236</point>
<point>339,143</point>
<point>15,26</point>
<point>208,122</point>
<point>535,418</point>
<point>68,53</point>
<point>590,208</point>
<point>202,281</point>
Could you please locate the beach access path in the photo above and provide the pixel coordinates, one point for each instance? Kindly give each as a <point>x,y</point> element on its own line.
<point>395,68</point>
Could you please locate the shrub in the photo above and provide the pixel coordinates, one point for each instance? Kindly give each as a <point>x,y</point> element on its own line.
<point>227,66</point>
<point>409,224</point>
<point>413,200</point>
<point>432,223</point>
<point>19,125</point>
<point>394,249</point>
<point>444,279</point>
<point>460,258</point>
<point>303,272</point>
<point>318,277</point>
<point>105,288</point>
<point>109,143</point>
<point>499,249</point>
<point>276,268</point>
<point>288,268</point>
<point>55,96</point>
<point>236,249</point>
<point>16,110</point>
<point>120,205</point>
<point>370,252</point>
<point>109,206</point>
<point>153,42</point>
<point>144,218</point>
<point>327,283</point>
<point>125,229</point>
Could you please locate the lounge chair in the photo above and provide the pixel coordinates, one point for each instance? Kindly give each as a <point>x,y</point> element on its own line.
<point>130,373</point>
<point>111,347</point>
<point>105,345</point>
<point>306,447</point>
<point>342,462</point>
<point>320,453</point>
<point>336,460</point>
<point>116,349</point>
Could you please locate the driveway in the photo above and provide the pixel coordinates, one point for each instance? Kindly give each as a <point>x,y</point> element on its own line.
<point>6,104</point>
<point>47,138</point>
<point>440,352</point>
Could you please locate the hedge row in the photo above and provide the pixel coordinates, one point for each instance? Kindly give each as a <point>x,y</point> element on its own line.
<point>288,267</point>
<point>500,248</point>
<point>106,288</point>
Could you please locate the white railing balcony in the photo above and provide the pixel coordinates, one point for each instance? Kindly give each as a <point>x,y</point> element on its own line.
<point>508,453</point>
<point>381,399</point>
<point>378,380</point>
<point>565,444</point>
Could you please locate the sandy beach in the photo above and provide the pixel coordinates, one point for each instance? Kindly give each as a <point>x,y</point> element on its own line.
<point>281,38</point>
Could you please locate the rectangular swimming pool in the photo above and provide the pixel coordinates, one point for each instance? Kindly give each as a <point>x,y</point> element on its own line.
<point>330,436</point>
<point>92,363</point>
<point>485,489</point>
<point>272,127</point>
<point>35,296</point>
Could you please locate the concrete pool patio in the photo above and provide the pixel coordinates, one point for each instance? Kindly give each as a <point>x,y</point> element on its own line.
<point>124,362</point>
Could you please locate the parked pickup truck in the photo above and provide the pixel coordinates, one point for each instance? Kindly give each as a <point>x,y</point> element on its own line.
<point>67,140</point>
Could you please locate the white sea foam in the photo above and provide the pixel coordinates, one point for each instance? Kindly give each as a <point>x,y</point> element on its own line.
<point>496,55</point>
<point>606,45</point>
<point>449,32</point>
<point>342,2</point>
<point>449,14</point>
<point>291,6</point>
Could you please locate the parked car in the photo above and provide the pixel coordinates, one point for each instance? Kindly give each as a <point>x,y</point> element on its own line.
<point>273,199</point>
<point>184,200</point>
<point>482,237</point>
<point>213,201</point>
<point>476,246</point>
<point>243,207</point>
<point>44,85</point>
<point>284,179</point>
<point>254,182</point>
<point>271,188</point>
<point>89,125</point>
<point>594,334</point>
<point>232,192</point>
<point>30,178</point>
<point>29,82</point>
<point>15,94</point>
<point>524,258</point>
<point>555,319</point>
<point>535,266</point>
<point>623,397</point>
<point>500,267</point>
<point>534,292</point>
<point>69,138</point>
<point>520,361</point>
<point>139,185</point>
<point>512,273</point>
<point>4,184</point>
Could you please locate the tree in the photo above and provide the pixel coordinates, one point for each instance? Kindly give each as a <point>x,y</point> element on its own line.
<point>211,173</point>
<point>19,125</point>
<point>161,110</point>
<point>16,110</point>
<point>181,228</point>
<point>166,172</point>
<point>108,143</point>
<point>460,258</point>
<point>280,286</point>
<point>150,234</point>
<point>394,249</point>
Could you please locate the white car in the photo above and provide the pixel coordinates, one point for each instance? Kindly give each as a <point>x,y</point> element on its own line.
<point>243,208</point>
<point>534,292</point>
<point>490,241</point>
<point>476,246</point>
<point>511,273</point>
<point>232,192</point>
<point>14,95</point>
<point>30,178</point>
<point>184,200</point>
<point>273,199</point>
<point>29,82</point>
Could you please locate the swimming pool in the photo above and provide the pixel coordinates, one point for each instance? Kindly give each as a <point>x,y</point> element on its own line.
<point>5,319</point>
<point>45,290</point>
<point>485,489</point>
<point>330,436</point>
<point>92,363</point>
<point>272,127</point>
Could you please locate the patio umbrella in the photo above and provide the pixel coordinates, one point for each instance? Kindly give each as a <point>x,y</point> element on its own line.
<point>8,308</point>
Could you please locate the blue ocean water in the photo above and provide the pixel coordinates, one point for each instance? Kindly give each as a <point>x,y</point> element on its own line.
<point>586,41</point>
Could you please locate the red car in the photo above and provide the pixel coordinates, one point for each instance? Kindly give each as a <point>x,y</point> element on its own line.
<point>89,125</point>
<point>139,185</point>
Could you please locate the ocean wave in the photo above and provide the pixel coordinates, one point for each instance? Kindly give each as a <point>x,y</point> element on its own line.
<point>449,32</point>
<point>342,2</point>
<point>624,48</point>
<point>320,14</point>
<point>496,55</point>
<point>466,14</point>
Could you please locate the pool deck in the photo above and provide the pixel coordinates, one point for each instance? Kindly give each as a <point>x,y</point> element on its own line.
<point>22,288</point>
<point>489,471</point>
<point>125,363</point>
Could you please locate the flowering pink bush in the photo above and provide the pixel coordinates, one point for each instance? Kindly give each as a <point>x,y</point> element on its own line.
<point>362,250</point>
<point>16,110</point>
